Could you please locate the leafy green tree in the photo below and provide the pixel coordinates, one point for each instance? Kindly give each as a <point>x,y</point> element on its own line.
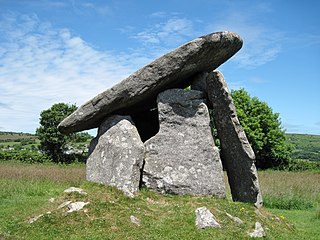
<point>52,142</point>
<point>82,137</point>
<point>263,130</point>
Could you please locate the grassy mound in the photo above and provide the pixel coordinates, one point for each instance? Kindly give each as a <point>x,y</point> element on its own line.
<point>25,191</point>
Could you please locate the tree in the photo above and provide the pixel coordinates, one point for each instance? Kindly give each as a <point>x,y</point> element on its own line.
<point>263,130</point>
<point>82,137</point>
<point>52,142</point>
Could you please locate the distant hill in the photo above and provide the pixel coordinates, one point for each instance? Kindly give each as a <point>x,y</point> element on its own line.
<point>28,141</point>
<point>12,136</point>
<point>306,146</point>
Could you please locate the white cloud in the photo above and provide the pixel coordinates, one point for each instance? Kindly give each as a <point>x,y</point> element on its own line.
<point>261,44</point>
<point>41,65</point>
<point>172,32</point>
<point>159,14</point>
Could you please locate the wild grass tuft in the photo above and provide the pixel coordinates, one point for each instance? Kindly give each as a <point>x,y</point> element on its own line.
<point>288,202</point>
<point>290,190</point>
<point>317,214</point>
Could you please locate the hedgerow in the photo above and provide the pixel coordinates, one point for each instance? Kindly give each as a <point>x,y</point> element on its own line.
<point>24,156</point>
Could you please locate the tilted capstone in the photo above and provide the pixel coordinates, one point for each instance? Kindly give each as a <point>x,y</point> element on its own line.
<point>138,92</point>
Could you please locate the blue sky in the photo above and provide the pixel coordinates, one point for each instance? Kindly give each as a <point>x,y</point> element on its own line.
<point>69,51</point>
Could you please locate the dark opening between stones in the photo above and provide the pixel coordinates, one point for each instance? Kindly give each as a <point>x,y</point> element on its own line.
<point>147,123</point>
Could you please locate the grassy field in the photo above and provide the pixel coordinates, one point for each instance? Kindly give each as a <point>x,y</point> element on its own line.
<point>291,212</point>
<point>15,136</point>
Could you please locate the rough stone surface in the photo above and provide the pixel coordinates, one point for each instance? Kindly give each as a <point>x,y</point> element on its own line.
<point>74,189</point>
<point>135,220</point>
<point>76,206</point>
<point>199,82</point>
<point>181,158</point>
<point>236,153</point>
<point>36,218</point>
<point>139,90</point>
<point>235,219</point>
<point>205,219</point>
<point>116,155</point>
<point>64,204</point>
<point>258,231</point>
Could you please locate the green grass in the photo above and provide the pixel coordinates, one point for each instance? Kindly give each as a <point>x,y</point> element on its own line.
<point>306,223</point>
<point>290,190</point>
<point>25,190</point>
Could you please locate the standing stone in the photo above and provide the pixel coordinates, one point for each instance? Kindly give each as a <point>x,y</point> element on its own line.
<point>138,92</point>
<point>237,155</point>
<point>116,155</point>
<point>181,158</point>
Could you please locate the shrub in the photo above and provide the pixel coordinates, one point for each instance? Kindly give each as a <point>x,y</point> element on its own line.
<point>36,157</point>
<point>263,130</point>
<point>303,165</point>
<point>24,156</point>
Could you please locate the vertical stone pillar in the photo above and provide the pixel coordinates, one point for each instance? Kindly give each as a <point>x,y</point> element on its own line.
<point>181,158</point>
<point>116,155</point>
<point>236,153</point>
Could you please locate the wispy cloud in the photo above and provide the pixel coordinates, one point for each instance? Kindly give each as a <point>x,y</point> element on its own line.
<point>162,14</point>
<point>43,4</point>
<point>170,32</point>
<point>257,80</point>
<point>262,44</point>
<point>293,128</point>
<point>164,35</point>
<point>89,8</point>
<point>301,128</point>
<point>4,105</point>
<point>79,7</point>
<point>41,65</point>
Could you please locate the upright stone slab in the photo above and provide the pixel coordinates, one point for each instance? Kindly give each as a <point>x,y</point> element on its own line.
<point>116,155</point>
<point>237,155</point>
<point>181,158</point>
